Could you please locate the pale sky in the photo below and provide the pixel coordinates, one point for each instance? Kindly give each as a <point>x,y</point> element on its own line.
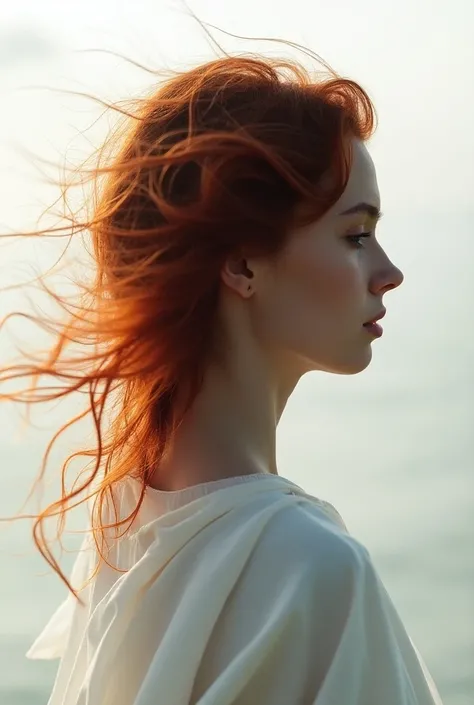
<point>415,57</point>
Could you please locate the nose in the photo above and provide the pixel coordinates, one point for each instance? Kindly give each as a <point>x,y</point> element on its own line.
<point>387,277</point>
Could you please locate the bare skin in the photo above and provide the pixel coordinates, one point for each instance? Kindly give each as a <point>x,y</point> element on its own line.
<point>305,312</point>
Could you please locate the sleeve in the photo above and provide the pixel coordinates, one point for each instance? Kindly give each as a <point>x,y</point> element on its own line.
<point>319,634</point>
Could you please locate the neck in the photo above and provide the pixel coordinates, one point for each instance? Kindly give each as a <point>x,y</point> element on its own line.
<point>230,429</point>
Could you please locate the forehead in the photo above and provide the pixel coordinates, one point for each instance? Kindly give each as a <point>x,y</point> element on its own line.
<point>362,184</point>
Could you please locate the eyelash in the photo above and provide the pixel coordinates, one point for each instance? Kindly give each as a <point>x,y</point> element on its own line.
<point>358,245</point>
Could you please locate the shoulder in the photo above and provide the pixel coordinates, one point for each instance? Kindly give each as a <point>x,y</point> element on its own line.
<point>305,569</point>
<point>309,536</point>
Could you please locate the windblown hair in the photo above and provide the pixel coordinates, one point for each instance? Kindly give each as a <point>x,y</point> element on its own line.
<point>231,154</point>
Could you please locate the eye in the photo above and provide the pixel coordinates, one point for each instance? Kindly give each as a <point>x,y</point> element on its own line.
<point>354,239</point>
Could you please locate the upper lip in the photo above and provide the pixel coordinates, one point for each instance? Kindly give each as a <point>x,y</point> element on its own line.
<point>377,317</point>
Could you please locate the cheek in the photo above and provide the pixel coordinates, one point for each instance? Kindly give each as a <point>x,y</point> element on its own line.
<point>313,292</point>
<point>327,278</point>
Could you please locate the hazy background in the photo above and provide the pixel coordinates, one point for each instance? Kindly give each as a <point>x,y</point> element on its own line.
<point>391,448</point>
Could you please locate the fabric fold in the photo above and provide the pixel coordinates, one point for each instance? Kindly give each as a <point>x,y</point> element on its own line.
<point>252,593</point>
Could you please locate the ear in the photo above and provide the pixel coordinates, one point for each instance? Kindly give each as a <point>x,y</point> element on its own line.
<point>237,275</point>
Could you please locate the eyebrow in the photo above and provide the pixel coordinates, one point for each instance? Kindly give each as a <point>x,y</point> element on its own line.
<point>363,207</point>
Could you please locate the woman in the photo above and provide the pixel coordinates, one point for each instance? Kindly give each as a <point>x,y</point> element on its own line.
<point>235,250</point>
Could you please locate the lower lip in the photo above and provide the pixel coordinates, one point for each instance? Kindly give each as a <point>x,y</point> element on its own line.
<point>374,329</point>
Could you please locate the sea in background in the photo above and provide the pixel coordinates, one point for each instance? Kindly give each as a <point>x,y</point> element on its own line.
<point>391,448</point>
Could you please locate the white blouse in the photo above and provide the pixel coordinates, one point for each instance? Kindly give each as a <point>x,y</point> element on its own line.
<point>241,591</point>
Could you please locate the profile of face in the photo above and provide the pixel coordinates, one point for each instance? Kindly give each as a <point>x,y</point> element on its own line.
<point>308,308</point>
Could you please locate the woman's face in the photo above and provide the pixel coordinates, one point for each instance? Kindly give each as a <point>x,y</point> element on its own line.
<point>309,308</point>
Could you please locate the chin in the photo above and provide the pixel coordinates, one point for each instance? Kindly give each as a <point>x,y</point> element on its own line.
<point>356,365</point>
<point>347,366</point>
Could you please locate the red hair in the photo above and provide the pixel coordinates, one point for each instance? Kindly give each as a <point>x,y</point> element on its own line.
<point>229,154</point>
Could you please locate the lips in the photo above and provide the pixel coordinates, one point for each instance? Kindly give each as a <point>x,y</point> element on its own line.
<point>376,318</point>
